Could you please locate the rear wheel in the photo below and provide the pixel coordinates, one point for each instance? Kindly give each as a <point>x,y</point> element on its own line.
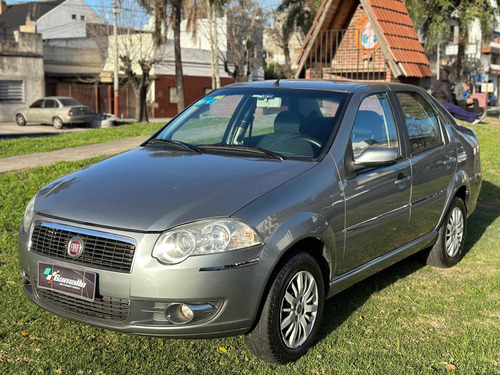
<point>20,120</point>
<point>57,123</point>
<point>448,249</point>
<point>292,311</point>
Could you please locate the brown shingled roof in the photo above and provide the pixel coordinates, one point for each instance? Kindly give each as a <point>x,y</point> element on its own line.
<point>393,26</point>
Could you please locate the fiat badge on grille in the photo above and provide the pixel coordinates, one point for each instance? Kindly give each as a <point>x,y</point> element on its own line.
<point>75,247</point>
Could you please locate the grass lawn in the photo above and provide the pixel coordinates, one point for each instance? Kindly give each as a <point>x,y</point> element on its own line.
<point>408,319</point>
<point>21,146</point>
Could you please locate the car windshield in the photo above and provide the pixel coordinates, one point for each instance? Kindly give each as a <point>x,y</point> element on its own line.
<point>276,122</point>
<point>66,102</point>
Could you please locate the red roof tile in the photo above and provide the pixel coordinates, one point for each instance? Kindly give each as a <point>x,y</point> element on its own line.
<point>397,6</point>
<point>396,27</point>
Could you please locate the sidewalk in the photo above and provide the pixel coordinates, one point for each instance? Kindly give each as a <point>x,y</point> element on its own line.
<point>15,163</point>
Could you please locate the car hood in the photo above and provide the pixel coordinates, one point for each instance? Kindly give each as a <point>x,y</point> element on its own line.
<point>150,189</point>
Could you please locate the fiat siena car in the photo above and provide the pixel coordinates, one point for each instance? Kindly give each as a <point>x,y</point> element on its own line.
<point>249,209</point>
<point>55,110</point>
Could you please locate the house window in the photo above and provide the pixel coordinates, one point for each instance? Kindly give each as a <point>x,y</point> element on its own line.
<point>82,18</point>
<point>12,91</point>
<point>73,16</point>
<point>172,95</point>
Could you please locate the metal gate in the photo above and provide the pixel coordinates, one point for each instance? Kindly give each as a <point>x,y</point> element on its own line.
<point>339,54</point>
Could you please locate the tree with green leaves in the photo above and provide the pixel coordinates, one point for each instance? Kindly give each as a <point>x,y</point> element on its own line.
<point>432,18</point>
<point>292,16</point>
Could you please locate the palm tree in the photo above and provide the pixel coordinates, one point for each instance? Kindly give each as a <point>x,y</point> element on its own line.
<point>160,9</point>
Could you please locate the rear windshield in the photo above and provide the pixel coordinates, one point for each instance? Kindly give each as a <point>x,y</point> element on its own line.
<point>66,102</point>
<point>292,123</point>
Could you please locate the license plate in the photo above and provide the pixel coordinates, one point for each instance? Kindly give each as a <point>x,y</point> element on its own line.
<point>75,283</point>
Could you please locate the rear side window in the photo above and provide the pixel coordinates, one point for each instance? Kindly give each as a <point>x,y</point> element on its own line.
<point>421,121</point>
<point>374,125</point>
<point>67,102</point>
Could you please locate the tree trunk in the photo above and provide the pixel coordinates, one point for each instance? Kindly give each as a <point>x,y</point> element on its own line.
<point>179,76</point>
<point>287,70</point>
<point>216,52</point>
<point>141,102</point>
<point>462,44</point>
<point>211,40</point>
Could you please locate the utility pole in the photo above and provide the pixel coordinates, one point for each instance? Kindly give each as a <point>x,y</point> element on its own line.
<point>116,84</point>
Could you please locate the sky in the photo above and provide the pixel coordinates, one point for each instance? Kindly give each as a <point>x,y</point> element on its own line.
<point>98,4</point>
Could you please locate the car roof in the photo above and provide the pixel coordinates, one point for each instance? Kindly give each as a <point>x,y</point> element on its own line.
<point>330,85</point>
<point>59,97</point>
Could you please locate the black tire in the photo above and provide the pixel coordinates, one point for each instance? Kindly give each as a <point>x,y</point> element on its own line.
<point>57,123</point>
<point>267,340</point>
<point>448,249</point>
<point>20,120</point>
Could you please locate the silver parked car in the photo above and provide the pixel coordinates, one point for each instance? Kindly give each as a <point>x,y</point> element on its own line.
<point>249,209</point>
<point>55,110</point>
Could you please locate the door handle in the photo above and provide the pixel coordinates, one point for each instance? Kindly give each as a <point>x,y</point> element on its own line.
<point>401,180</point>
<point>447,162</point>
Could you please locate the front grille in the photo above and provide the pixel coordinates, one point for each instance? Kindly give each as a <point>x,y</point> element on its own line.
<point>108,308</point>
<point>101,250</point>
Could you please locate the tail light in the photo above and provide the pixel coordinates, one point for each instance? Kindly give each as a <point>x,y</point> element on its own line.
<point>70,112</point>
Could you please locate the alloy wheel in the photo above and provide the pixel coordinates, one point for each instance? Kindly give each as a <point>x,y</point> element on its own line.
<point>454,232</point>
<point>299,308</point>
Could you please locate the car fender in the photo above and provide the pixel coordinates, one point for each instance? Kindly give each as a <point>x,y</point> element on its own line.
<point>301,226</point>
<point>459,180</point>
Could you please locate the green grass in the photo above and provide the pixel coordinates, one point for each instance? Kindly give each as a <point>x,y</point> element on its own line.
<point>407,319</point>
<point>21,146</point>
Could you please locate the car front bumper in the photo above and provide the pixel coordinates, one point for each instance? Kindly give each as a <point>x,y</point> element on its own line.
<point>136,302</point>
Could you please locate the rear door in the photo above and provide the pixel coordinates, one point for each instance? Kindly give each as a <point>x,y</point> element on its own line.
<point>49,109</point>
<point>433,160</point>
<point>377,199</point>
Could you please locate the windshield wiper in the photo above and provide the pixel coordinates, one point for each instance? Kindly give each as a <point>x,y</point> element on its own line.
<point>242,148</point>
<point>180,144</point>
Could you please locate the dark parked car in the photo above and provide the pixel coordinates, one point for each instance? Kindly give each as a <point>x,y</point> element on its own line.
<point>55,110</point>
<point>249,209</point>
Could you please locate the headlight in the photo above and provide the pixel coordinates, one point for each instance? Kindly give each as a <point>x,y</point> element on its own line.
<point>28,214</point>
<point>203,237</point>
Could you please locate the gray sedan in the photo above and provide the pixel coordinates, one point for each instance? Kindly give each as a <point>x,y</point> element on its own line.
<point>55,110</point>
<point>251,208</point>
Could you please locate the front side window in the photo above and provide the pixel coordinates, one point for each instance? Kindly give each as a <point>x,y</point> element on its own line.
<point>291,123</point>
<point>421,121</point>
<point>374,125</point>
<point>37,104</point>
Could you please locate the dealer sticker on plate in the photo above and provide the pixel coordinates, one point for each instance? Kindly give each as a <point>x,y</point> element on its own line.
<point>67,281</point>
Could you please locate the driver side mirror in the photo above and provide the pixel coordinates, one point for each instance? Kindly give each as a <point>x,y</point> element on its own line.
<point>375,157</point>
<point>370,158</point>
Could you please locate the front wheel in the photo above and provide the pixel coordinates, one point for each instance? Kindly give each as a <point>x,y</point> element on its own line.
<point>57,122</point>
<point>20,120</point>
<point>449,245</point>
<point>291,314</point>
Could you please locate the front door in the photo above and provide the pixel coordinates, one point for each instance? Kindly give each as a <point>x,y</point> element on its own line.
<point>377,199</point>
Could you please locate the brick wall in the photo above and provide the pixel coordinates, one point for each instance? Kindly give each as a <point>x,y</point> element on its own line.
<point>194,88</point>
<point>337,56</point>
